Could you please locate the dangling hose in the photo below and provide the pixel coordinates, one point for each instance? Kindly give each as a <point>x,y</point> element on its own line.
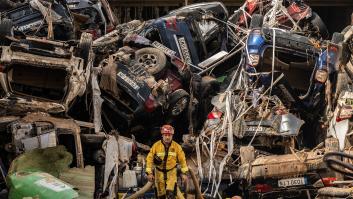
<point>196,185</point>
<point>142,191</point>
<point>148,186</point>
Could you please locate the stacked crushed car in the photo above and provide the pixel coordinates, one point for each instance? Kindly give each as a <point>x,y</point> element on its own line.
<point>261,99</point>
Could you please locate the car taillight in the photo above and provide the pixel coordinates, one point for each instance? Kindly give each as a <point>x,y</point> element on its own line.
<point>214,115</point>
<point>263,188</point>
<point>150,104</point>
<point>328,181</point>
<point>345,112</point>
<point>171,23</point>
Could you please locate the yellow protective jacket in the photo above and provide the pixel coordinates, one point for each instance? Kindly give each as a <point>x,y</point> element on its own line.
<point>175,155</point>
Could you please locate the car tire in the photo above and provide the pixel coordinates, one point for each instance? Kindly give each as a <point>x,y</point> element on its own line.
<point>256,21</point>
<point>84,46</point>
<point>152,59</point>
<point>317,22</point>
<point>6,29</point>
<point>178,102</point>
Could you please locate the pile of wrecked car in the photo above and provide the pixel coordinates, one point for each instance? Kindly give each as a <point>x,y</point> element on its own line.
<point>260,98</point>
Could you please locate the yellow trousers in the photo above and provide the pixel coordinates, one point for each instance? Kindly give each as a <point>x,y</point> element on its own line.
<point>171,183</point>
<point>162,185</point>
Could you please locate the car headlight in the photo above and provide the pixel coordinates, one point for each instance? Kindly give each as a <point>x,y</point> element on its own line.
<point>254,59</point>
<point>321,76</point>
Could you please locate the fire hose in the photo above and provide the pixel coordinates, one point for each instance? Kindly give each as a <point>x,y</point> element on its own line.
<point>148,186</point>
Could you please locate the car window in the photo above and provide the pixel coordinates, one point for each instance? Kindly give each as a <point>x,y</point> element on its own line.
<point>209,33</point>
<point>206,26</point>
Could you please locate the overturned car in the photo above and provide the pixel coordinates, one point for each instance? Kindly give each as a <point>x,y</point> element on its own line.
<point>44,75</point>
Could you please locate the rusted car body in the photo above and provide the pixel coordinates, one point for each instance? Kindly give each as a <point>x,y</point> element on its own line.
<point>41,79</point>
<point>297,174</point>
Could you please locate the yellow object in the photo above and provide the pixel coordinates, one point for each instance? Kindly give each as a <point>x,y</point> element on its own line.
<point>167,170</point>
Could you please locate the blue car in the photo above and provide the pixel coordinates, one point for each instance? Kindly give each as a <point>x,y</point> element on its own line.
<point>309,69</point>
<point>171,48</point>
<point>306,64</point>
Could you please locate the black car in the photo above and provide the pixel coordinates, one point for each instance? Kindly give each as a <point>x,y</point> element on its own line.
<point>95,17</point>
<point>33,19</point>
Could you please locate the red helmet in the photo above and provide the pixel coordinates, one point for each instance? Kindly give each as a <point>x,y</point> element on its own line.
<point>167,129</point>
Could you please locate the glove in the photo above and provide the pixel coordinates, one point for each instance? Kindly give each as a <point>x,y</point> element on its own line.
<point>150,177</point>
<point>184,178</point>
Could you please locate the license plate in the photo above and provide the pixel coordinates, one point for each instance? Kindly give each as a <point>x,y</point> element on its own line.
<point>128,80</point>
<point>292,182</point>
<point>29,26</point>
<point>254,128</point>
<point>163,48</point>
<point>184,50</point>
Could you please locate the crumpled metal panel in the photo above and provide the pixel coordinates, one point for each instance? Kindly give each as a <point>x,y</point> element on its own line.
<point>290,124</point>
<point>22,105</point>
<point>282,165</point>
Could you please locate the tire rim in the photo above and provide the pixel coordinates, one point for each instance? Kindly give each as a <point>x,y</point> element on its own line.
<point>148,61</point>
<point>179,106</point>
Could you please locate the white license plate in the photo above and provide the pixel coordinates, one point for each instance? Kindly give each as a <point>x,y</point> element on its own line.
<point>254,128</point>
<point>292,182</point>
<point>163,48</point>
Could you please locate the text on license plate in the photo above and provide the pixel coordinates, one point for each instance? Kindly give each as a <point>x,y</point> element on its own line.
<point>292,182</point>
<point>254,128</point>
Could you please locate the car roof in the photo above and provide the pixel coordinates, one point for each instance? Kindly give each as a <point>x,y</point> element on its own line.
<point>216,8</point>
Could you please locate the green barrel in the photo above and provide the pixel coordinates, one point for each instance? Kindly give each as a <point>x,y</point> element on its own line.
<point>38,185</point>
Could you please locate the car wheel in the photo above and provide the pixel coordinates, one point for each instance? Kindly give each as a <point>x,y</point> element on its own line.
<point>317,22</point>
<point>6,29</point>
<point>85,46</point>
<point>152,59</point>
<point>256,21</point>
<point>178,101</point>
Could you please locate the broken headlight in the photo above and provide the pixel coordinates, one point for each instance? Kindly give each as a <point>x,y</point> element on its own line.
<point>321,76</point>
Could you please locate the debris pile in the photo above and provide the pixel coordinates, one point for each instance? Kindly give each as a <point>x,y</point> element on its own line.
<point>260,99</point>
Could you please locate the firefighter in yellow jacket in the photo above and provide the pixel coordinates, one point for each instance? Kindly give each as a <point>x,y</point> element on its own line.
<point>164,155</point>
